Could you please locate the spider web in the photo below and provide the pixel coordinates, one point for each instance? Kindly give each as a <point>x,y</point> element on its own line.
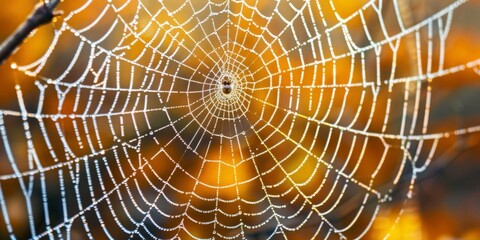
<point>221,119</point>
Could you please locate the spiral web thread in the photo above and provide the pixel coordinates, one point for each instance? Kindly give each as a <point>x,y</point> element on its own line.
<point>223,119</point>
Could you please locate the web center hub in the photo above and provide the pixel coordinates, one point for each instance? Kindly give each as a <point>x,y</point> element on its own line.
<point>227,84</point>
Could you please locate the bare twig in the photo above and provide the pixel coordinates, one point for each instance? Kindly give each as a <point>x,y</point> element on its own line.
<point>42,14</point>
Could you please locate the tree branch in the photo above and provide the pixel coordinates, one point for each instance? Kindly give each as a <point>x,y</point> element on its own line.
<point>42,14</point>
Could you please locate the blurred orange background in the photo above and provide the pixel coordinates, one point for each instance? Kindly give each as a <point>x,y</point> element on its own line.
<point>446,196</point>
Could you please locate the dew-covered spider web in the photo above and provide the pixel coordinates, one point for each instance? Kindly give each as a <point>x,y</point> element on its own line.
<point>137,119</point>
